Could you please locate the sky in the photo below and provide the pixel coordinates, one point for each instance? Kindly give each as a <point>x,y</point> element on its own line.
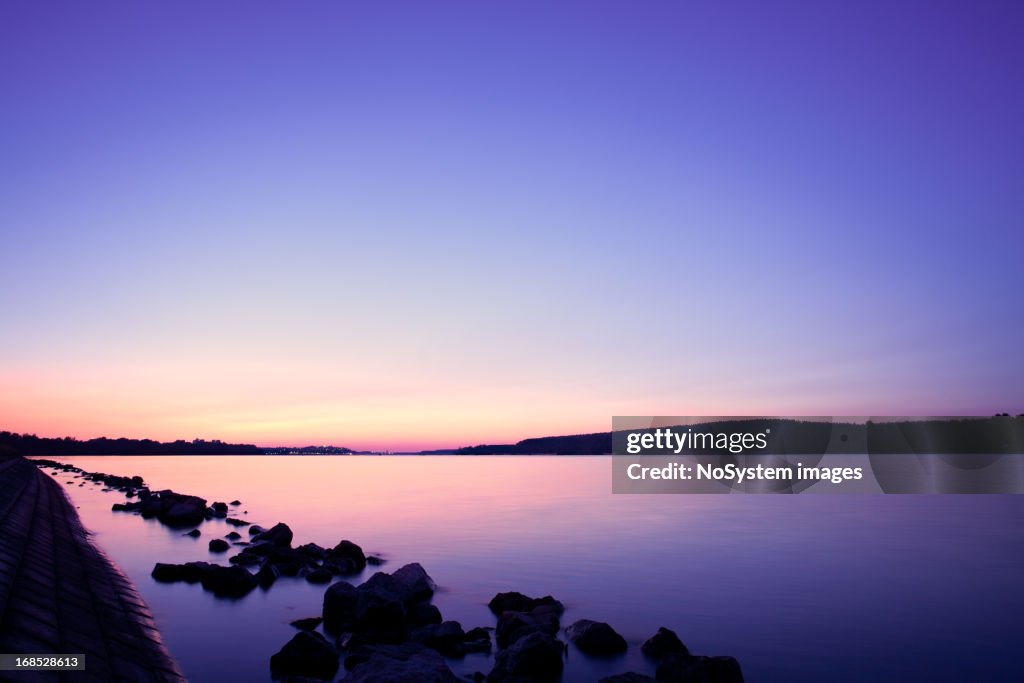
<point>423,225</point>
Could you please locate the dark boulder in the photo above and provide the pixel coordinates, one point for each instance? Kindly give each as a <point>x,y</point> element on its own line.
<point>341,602</point>
<point>237,522</point>
<point>319,576</point>
<point>446,638</point>
<point>517,602</point>
<point>219,545</point>
<point>307,624</point>
<point>514,625</point>
<point>536,656</point>
<point>423,666</point>
<point>236,502</point>
<point>255,529</point>
<point>375,560</point>
<point>195,533</point>
<point>267,575</point>
<point>228,582</point>
<point>662,643</point>
<point>306,654</point>
<point>233,536</point>
<point>279,534</point>
<point>679,668</point>
<point>596,638</point>
<point>178,510</point>
<point>246,559</point>
<point>190,572</point>
<point>347,551</point>
<point>423,614</point>
<point>476,640</point>
<point>312,550</point>
<point>219,509</point>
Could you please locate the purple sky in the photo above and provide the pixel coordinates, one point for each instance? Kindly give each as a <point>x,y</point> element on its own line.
<point>443,223</point>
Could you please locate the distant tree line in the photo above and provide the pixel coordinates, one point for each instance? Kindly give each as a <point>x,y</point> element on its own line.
<point>30,444</point>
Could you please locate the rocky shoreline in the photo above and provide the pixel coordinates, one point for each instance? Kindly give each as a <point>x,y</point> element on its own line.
<point>386,629</point>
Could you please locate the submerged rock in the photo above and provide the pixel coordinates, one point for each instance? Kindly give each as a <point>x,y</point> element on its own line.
<point>514,625</point>
<point>319,576</point>
<point>517,602</point>
<point>228,582</point>
<point>347,557</point>
<point>662,643</point>
<point>536,656</point>
<point>195,533</point>
<point>306,654</point>
<point>178,510</point>
<point>233,536</point>
<point>237,522</point>
<point>280,535</point>
<point>218,545</point>
<point>596,638</point>
<point>190,572</point>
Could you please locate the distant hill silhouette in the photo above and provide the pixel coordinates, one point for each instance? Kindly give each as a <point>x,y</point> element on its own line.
<point>999,434</point>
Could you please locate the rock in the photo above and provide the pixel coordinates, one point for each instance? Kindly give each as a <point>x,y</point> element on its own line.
<point>308,624</point>
<point>267,575</point>
<point>375,560</point>
<point>628,678</point>
<point>514,625</point>
<point>662,643</point>
<point>424,666</point>
<point>476,640</point>
<point>195,533</point>
<point>245,559</point>
<point>279,534</point>
<point>233,536</point>
<point>536,656</point>
<point>596,638</point>
<point>341,602</point>
<point>413,582</point>
<point>319,576</point>
<point>680,668</point>
<point>306,654</point>
<point>517,602</point>
<point>446,638</point>
<point>361,653</point>
<point>190,572</point>
<point>423,614</point>
<point>220,509</point>
<point>255,529</point>
<point>312,550</point>
<point>228,582</point>
<point>178,510</point>
<point>237,522</point>
<point>236,502</point>
<point>218,545</point>
<point>347,550</point>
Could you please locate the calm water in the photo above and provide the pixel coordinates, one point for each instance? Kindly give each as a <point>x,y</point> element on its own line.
<point>800,588</point>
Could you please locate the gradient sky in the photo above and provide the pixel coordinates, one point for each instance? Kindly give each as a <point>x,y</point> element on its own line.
<point>397,225</point>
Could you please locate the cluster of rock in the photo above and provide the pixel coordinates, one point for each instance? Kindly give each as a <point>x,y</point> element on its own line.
<point>266,557</point>
<point>386,630</point>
